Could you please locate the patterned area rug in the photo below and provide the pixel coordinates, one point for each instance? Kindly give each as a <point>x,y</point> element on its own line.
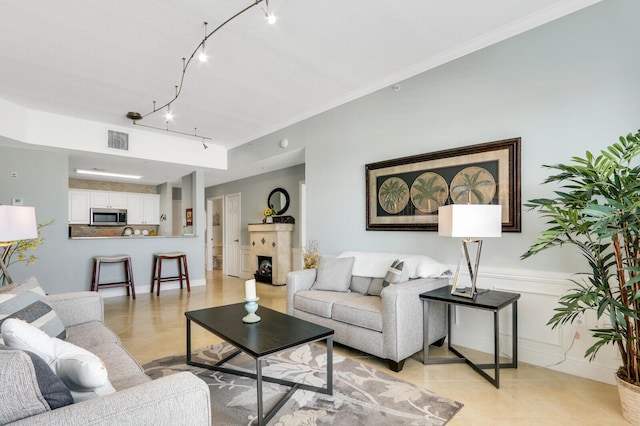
<point>361,395</point>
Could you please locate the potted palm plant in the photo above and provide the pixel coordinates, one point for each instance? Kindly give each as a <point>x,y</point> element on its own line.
<point>597,210</point>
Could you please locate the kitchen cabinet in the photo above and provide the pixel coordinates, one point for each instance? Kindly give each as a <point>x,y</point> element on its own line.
<point>108,199</point>
<point>79,202</point>
<point>143,209</point>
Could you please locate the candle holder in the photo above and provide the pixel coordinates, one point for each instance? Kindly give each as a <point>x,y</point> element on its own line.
<point>251,307</point>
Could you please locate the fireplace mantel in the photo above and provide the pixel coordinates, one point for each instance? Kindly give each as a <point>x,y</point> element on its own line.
<point>273,240</point>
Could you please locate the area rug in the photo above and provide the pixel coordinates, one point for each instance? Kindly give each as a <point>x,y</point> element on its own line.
<point>361,395</point>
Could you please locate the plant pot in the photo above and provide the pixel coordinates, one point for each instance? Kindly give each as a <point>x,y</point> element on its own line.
<point>269,219</point>
<point>629,400</point>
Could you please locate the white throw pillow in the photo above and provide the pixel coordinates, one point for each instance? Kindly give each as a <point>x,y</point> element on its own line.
<point>81,371</point>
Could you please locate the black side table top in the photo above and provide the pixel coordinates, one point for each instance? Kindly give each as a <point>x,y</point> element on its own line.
<point>486,299</point>
<point>275,332</point>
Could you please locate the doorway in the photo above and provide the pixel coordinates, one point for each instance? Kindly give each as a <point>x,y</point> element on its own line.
<point>214,237</point>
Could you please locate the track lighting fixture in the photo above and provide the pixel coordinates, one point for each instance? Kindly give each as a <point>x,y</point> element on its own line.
<point>202,56</point>
<point>271,18</point>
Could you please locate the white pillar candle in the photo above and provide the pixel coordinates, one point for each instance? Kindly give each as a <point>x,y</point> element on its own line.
<point>250,289</point>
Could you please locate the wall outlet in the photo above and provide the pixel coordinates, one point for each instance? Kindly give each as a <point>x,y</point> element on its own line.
<point>580,321</point>
<point>17,201</point>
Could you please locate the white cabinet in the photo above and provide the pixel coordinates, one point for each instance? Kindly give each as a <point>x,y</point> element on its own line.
<point>108,199</point>
<point>143,209</point>
<point>79,202</point>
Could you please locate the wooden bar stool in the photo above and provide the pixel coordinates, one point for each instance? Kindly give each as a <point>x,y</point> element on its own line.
<point>183,270</point>
<point>128,273</point>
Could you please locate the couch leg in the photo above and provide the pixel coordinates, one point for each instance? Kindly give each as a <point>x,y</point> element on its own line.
<point>395,366</point>
<point>439,342</point>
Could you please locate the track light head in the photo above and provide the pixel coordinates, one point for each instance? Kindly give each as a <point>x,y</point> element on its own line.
<point>131,115</point>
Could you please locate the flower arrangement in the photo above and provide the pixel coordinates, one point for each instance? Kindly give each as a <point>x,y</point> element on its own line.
<point>268,212</point>
<point>17,252</point>
<point>311,255</point>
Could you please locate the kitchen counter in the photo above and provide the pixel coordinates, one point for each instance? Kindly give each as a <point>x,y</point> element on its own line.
<point>133,237</point>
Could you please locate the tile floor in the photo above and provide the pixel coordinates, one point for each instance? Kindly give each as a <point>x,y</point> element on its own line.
<point>153,327</point>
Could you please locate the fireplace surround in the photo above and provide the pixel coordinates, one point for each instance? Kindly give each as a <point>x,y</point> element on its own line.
<point>272,240</point>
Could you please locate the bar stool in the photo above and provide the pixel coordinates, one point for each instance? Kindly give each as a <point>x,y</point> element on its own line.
<point>128,273</point>
<point>183,271</point>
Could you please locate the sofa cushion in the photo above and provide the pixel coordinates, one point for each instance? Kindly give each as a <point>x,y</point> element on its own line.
<point>119,363</point>
<point>34,379</point>
<point>334,274</point>
<point>359,310</point>
<point>360,284</point>
<point>375,288</point>
<point>81,371</point>
<point>26,301</point>
<point>315,302</point>
<point>90,334</point>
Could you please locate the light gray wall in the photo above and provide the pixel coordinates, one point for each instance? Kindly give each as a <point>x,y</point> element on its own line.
<point>254,192</point>
<point>565,87</point>
<point>65,265</point>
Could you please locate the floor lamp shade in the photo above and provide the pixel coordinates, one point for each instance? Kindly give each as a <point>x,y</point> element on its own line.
<point>470,220</point>
<point>17,223</point>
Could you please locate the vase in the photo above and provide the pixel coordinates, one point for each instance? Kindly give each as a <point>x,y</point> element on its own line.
<point>629,400</point>
<point>269,219</point>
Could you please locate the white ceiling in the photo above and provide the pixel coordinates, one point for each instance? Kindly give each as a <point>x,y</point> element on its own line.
<point>99,60</point>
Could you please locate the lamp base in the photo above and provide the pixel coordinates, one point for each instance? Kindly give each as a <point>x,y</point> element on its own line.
<point>470,292</point>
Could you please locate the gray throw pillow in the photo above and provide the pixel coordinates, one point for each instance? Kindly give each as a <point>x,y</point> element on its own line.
<point>334,274</point>
<point>393,274</point>
<point>26,301</point>
<point>43,383</point>
<point>375,288</point>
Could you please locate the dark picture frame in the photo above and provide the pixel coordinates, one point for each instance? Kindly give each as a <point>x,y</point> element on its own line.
<point>404,194</point>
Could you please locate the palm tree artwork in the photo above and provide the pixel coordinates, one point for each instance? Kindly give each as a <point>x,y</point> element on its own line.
<point>473,185</point>
<point>393,195</point>
<point>429,191</point>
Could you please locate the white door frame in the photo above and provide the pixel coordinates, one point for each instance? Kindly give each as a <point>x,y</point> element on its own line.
<point>232,252</point>
<point>208,232</point>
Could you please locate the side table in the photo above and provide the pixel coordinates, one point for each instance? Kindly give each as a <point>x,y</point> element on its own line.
<point>489,300</point>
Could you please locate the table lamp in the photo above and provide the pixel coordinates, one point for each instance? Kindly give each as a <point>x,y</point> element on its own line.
<point>16,223</point>
<point>470,222</point>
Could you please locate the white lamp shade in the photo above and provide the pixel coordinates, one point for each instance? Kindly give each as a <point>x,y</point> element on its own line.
<point>17,223</point>
<point>470,220</point>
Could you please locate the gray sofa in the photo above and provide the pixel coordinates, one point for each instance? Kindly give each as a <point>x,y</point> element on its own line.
<point>178,399</point>
<point>389,326</point>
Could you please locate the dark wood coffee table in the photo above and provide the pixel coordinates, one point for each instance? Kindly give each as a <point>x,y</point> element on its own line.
<point>275,333</point>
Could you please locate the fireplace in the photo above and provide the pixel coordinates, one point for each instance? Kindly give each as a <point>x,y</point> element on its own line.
<point>264,271</point>
<point>271,241</point>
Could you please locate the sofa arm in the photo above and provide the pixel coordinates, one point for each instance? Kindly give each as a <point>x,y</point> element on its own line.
<point>298,281</point>
<point>402,317</point>
<point>178,399</point>
<point>77,308</point>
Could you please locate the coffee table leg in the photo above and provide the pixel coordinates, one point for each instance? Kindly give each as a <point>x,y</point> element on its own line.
<point>188,341</point>
<point>259,386</point>
<point>330,365</point>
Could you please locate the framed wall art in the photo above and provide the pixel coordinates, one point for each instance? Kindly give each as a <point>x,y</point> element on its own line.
<point>404,194</point>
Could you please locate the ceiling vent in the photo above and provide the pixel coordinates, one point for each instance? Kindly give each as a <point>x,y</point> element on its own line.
<point>118,140</point>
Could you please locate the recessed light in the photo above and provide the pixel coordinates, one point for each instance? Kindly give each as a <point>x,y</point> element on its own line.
<point>108,174</point>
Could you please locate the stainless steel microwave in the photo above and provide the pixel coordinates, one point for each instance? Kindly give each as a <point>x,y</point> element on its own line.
<point>108,217</point>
